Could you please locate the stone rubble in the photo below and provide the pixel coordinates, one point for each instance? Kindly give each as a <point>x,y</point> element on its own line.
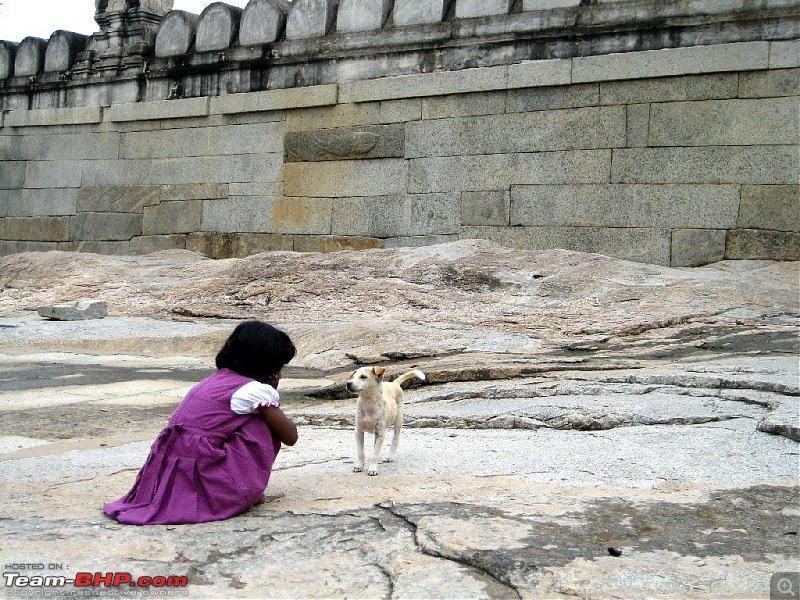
<point>77,311</point>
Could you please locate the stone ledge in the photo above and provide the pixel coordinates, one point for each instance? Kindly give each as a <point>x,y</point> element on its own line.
<point>733,57</point>
<point>784,55</point>
<point>163,109</point>
<point>43,117</point>
<point>693,60</point>
<point>426,84</point>
<point>303,97</point>
<point>739,56</point>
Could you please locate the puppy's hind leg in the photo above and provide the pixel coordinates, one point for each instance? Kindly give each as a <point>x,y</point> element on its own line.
<point>359,466</point>
<point>380,437</point>
<point>398,425</point>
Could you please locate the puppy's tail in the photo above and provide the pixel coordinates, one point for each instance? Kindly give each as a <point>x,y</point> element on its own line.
<point>406,376</point>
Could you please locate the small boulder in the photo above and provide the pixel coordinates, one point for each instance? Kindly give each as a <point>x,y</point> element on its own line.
<point>77,311</point>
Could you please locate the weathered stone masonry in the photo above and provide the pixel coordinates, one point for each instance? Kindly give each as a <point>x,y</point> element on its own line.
<point>658,132</point>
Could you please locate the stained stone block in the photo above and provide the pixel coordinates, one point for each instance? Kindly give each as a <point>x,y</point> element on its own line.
<point>419,12</point>
<point>217,27</point>
<point>133,198</point>
<point>378,141</point>
<point>243,214</point>
<point>95,247</point>
<point>35,229</point>
<point>695,247</point>
<point>497,171</point>
<point>8,52</point>
<point>346,178</point>
<point>41,145</point>
<point>30,57</point>
<point>77,311</point>
<point>715,164</point>
<point>468,9</point>
<point>43,202</point>
<point>255,138</point>
<point>176,34</point>
<point>53,173</point>
<point>637,244</point>
<point>62,50</point>
<point>236,245</point>
<point>172,217</point>
<point>580,128</point>
<point>173,171</point>
<point>394,216</point>
<point>147,244</point>
<point>302,216</point>
<point>770,207</point>
<point>665,206</point>
<point>105,226</point>
<point>310,18</point>
<point>715,86</point>
<point>263,22</point>
<point>12,175</point>
<point>757,244</point>
<point>362,15</point>
<point>399,111</point>
<point>15,247</point>
<point>418,241</point>
<point>736,122</point>
<point>462,105</point>
<point>331,243</point>
<point>770,84</point>
<point>485,208</point>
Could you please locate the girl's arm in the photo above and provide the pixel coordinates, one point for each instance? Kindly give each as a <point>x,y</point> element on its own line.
<point>280,424</point>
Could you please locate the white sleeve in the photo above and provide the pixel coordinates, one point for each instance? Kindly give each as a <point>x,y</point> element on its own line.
<point>252,396</point>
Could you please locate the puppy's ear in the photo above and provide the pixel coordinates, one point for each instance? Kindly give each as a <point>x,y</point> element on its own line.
<point>379,371</point>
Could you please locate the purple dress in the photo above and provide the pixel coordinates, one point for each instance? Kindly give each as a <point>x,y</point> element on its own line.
<point>209,463</point>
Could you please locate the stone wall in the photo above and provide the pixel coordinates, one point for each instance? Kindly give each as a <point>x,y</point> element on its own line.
<point>610,127</point>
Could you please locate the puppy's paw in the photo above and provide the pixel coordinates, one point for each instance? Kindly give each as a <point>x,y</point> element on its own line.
<point>372,471</point>
<point>388,459</point>
<point>357,469</point>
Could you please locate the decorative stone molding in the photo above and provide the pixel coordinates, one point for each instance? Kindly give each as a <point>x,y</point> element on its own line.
<point>217,27</point>
<point>177,33</point>
<point>30,57</point>
<point>263,22</point>
<point>62,50</point>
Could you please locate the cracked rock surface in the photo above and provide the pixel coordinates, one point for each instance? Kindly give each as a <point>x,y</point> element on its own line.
<point>574,404</point>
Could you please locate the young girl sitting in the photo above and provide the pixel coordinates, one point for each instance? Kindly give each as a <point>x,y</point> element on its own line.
<point>214,458</point>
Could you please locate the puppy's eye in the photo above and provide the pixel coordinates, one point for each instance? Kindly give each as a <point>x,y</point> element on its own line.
<point>362,377</point>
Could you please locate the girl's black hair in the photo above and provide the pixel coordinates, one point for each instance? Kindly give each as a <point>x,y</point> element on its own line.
<point>256,349</point>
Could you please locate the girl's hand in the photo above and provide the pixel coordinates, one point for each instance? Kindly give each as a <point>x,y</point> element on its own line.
<point>280,424</point>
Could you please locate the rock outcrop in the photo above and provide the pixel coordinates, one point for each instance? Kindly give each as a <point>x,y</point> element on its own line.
<point>574,403</point>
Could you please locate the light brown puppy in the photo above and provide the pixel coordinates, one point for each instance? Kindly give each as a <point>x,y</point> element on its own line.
<point>379,406</point>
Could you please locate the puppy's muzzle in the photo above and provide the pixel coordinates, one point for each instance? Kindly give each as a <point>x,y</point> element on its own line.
<point>351,387</point>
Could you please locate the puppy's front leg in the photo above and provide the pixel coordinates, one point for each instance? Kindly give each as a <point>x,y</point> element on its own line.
<point>359,466</point>
<point>380,437</point>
